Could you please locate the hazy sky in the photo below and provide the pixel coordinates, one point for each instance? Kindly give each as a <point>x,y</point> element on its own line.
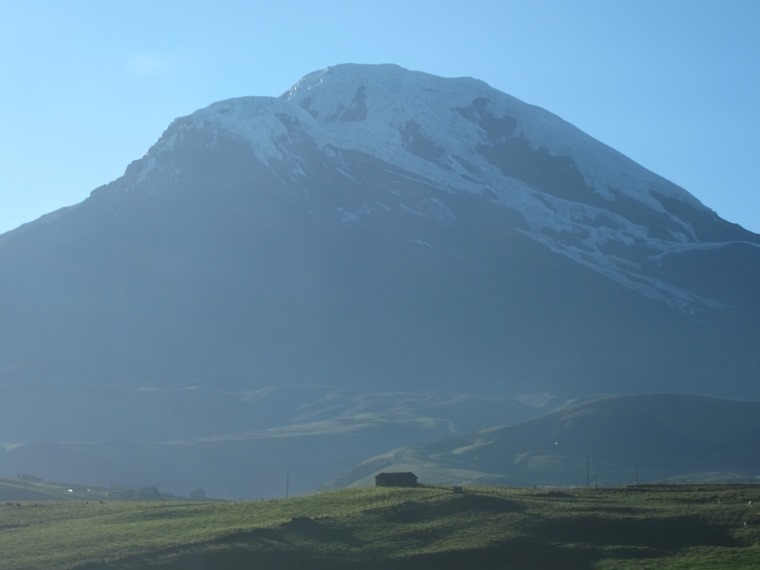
<point>89,85</point>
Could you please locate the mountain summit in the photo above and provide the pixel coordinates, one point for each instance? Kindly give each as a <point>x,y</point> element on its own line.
<point>375,226</point>
<point>574,195</point>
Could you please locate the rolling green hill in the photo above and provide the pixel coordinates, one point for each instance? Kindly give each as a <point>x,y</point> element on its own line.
<point>424,527</point>
<point>606,440</point>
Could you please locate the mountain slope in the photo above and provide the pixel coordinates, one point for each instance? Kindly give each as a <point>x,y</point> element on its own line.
<point>606,440</point>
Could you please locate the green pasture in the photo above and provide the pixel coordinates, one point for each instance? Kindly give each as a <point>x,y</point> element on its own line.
<point>677,527</point>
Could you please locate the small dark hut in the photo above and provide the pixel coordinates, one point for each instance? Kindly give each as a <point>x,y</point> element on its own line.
<point>407,479</point>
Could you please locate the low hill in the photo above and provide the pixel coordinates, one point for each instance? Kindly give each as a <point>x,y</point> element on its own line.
<point>420,528</point>
<point>600,440</point>
<point>234,441</point>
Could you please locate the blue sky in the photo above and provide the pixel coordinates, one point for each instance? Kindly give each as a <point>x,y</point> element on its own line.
<point>89,85</point>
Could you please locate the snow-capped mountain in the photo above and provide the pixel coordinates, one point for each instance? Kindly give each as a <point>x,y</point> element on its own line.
<point>576,196</point>
<point>383,229</point>
<point>380,224</point>
<point>374,224</point>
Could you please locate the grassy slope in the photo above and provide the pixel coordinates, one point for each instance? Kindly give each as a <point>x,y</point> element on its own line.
<point>675,438</point>
<point>669,527</point>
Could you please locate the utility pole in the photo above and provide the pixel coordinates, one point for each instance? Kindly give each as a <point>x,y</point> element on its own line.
<point>287,485</point>
<point>588,472</point>
<point>636,474</point>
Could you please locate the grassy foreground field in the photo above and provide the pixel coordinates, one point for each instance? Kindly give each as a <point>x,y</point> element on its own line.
<point>428,527</point>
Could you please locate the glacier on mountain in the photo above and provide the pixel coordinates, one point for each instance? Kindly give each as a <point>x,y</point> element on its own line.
<point>434,129</point>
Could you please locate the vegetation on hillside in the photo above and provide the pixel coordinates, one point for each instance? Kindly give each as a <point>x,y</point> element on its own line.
<point>424,527</point>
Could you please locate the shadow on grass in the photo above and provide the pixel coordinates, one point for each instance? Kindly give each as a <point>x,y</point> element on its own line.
<point>525,554</point>
<point>667,534</point>
<point>414,511</point>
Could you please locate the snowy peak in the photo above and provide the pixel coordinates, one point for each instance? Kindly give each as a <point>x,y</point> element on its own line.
<point>436,128</point>
<point>458,114</point>
<point>423,123</point>
<point>387,94</point>
<point>575,195</point>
